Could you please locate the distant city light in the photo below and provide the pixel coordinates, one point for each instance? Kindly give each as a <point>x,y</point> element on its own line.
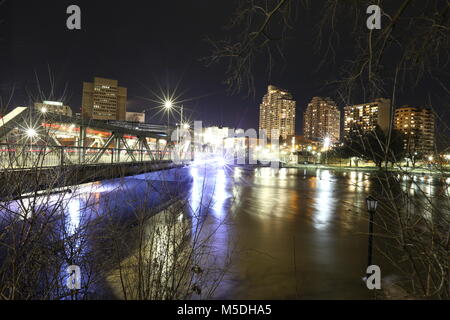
<point>326,142</point>
<point>221,161</point>
<point>44,110</point>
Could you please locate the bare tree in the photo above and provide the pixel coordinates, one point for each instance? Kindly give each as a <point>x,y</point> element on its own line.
<point>410,48</point>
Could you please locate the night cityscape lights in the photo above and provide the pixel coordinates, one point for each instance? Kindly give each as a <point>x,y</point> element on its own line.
<point>242,151</point>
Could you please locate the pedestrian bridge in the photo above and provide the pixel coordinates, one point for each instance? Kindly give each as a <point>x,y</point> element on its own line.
<point>32,139</point>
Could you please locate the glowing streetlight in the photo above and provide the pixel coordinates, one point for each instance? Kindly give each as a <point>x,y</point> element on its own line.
<point>168,104</point>
<point>31,133</point>
<point>221,162</point>
<point>44,110</point>
<point>326,142</point>
<point>326,146</point>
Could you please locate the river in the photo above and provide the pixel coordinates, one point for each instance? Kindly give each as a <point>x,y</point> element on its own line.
<point>285,233</point>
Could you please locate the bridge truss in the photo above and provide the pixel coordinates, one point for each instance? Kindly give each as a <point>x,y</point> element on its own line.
<point>30,138</point>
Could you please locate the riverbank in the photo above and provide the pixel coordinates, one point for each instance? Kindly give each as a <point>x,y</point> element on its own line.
<point>403,170</point>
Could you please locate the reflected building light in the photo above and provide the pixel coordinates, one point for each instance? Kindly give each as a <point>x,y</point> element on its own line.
<point>196,191</point>
<point>220,193</point>
<point>324,202</point>
<point>73,210</point>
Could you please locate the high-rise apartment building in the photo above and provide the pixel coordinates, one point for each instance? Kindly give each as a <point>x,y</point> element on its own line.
<point>104,100</point>
<point>53,107</point>
<point>368,115</point>
<point>418,126</point>
<point>322,119</point>
<point>277,112</point>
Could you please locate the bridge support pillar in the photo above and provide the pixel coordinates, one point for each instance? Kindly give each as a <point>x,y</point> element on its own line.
<point>158,149</point>
<point>117,146</point>
<point>141,149</point>
<point>81,142</point>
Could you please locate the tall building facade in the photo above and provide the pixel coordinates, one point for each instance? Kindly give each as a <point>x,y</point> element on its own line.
<point>322,119</point>
<point>104,100</point>
<point>277,112</point>
<point>53,107</point>
<point>368,115</point>
<point>418,126</point>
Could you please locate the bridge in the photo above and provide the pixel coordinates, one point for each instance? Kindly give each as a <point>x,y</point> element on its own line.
<point>85,150</point>
<point>30,138</point>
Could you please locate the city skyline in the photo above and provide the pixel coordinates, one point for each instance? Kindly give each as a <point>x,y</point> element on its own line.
<point>323,119</point>
<point>157,66</point>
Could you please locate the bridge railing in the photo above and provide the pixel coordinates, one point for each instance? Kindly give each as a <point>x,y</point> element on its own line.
<point>16,156</point>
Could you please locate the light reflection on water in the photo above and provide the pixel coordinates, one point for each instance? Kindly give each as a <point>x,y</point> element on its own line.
<point>318,215</point>
<point>324,199</point>
<point>292,233</point>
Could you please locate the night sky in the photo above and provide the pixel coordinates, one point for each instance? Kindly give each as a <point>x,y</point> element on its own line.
<point>151,44</point>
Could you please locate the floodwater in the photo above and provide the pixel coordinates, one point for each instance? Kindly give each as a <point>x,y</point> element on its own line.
<point>297,234</point>
<point>277,233</point>
<point>294,233</point>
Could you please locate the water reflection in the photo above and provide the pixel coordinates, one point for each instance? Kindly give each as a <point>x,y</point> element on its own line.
<point>324,200</point>
<point>289,233</point>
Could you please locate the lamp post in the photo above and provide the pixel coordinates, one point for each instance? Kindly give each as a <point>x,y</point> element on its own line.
<point>372,204</point>
<point>168,105</point>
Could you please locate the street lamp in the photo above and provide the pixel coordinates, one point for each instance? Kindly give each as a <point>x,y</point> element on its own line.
<point>326,143</point>
<point>372,204</point>
<point>31,133</point>
<point>168,105</point>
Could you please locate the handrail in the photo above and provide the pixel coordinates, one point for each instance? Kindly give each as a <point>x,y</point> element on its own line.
<point>16,156</point>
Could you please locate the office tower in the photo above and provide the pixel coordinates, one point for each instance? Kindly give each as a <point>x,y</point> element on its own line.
<point>368,115</point>
<point>104,100</point>
<point>322,119</point>
<point>418,126</point>
<point>53,107</point>
<point>277,112</point>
